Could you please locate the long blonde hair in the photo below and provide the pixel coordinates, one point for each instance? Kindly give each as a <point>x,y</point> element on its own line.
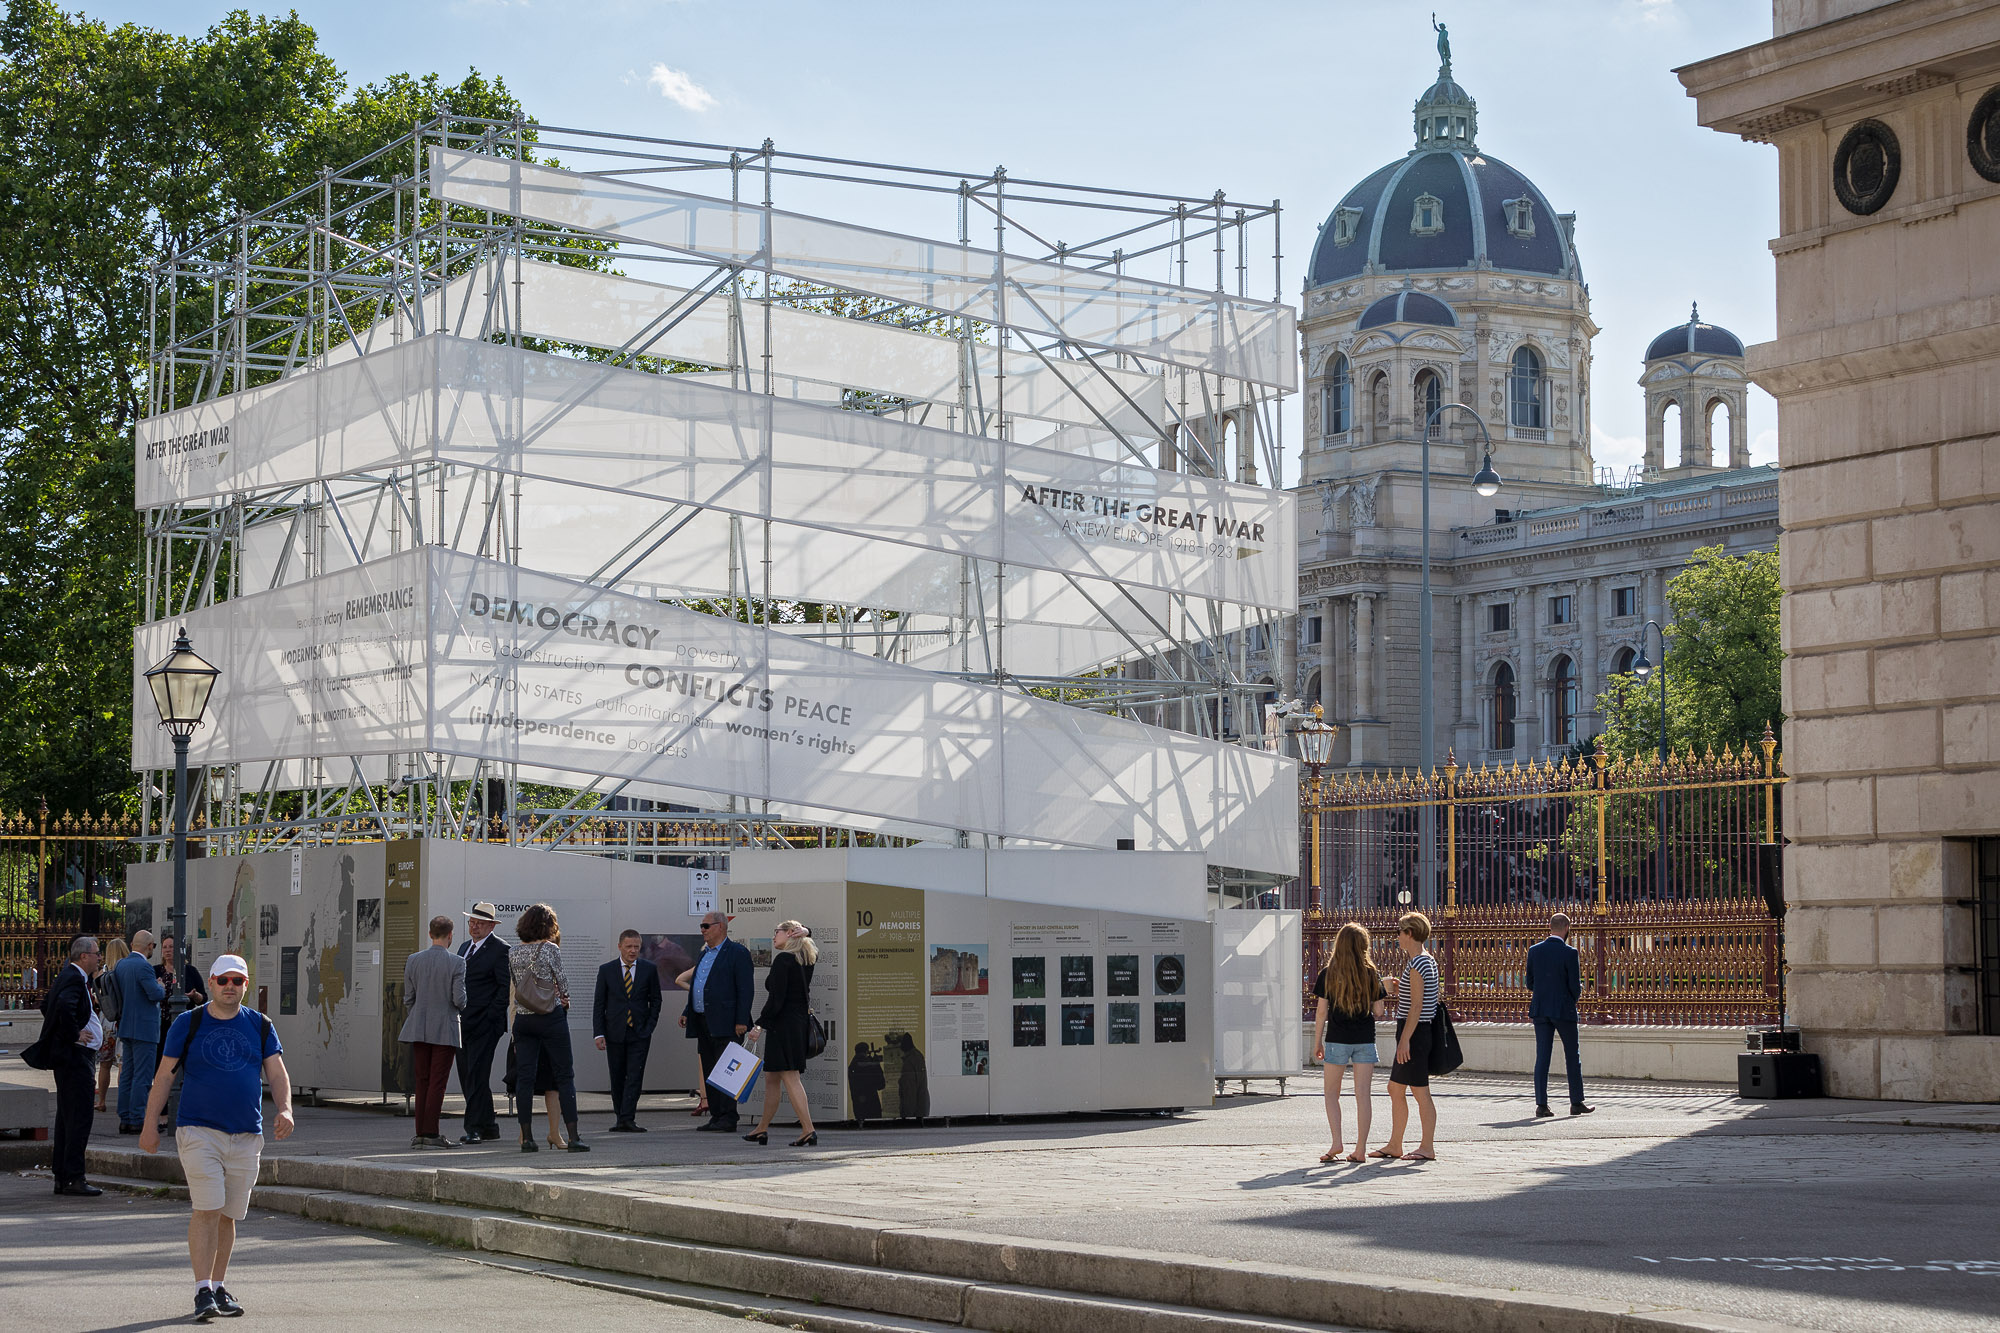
<point>800,943</point>
<point>1351,979</point>
<point>115,952</point>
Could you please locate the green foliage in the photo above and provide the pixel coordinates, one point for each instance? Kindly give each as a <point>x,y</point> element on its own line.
<point>1721,662</point>
<point>125,145</point>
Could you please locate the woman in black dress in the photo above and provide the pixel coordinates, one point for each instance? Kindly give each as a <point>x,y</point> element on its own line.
<point>783,1024</point>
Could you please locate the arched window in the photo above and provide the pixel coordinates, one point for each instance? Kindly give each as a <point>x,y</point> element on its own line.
<point>1430,395</point>
<point>1717,411</point>
<point>1562,701</point>
<point>1670,435</point>
<point>1621,664</point>
<point>1525,390</point>
<point>1503,707</point>
<point>1335,394</point>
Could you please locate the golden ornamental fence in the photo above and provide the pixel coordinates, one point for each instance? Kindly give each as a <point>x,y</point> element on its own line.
<point>1658,865</point>
<point>60,876</point>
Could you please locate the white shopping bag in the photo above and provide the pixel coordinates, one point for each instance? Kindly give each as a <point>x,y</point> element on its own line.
<point>735,1071</point>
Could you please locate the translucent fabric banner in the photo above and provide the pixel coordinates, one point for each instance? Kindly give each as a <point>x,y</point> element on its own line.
<point>1184,326</point>
<point>684,440</point>
<point>437,651</point>
<point>609,310</point>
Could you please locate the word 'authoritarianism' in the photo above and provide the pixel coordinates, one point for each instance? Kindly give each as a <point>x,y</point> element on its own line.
<point>1160,516</point>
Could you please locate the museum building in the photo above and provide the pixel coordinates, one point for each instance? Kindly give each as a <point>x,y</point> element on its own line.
<point>1448,277</point>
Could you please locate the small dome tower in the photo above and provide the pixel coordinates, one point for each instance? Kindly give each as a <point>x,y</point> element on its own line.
<point>1695,369</point>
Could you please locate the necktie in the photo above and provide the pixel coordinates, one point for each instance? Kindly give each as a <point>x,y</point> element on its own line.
<point>628,997</point>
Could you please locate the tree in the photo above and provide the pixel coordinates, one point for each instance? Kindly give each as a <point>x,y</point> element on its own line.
<point>126,145</point>
<point>1722,661</point>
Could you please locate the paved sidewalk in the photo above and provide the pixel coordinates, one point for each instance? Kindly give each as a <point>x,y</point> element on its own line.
<point>1828,1214</point>
<point>120,1264</point>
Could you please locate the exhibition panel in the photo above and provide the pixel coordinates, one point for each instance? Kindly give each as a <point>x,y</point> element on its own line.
<point>443,652</point>
<point>1233,336</point>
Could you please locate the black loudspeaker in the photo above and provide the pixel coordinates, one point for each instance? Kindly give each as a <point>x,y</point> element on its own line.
<point>1771,876</point>
<point>90,919</point>
<point>1777,1075</point>
<point>496,797</point>
<point>1127,844</point>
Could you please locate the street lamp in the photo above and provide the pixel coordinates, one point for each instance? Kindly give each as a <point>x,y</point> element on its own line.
<point>1486,484</point>
<point>1642,668</point>
<point>181,684</point>
<point>1316,749</point>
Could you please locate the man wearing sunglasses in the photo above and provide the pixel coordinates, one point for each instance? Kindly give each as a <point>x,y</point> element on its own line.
<point>230,1051</point>
<point>718,1009</point>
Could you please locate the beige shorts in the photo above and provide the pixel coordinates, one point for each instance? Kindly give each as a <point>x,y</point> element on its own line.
<point>220,1168</point>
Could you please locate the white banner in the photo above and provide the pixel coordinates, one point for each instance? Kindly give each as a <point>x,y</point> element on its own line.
<point>683,440</point>
<point>439,651</point>
<point>1185,326</point>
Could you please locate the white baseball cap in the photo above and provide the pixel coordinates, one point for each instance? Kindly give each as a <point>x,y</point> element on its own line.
<point>229,962</point>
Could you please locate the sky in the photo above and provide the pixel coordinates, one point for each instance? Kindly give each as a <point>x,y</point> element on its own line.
<point>1267,100</point>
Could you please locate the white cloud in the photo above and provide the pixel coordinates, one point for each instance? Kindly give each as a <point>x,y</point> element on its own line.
<point>679,89</point>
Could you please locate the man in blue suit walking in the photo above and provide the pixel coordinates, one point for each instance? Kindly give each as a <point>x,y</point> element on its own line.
<point>718,1009</point>
<point>1555,981</point>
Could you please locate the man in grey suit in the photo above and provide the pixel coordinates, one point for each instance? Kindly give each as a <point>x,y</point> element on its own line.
<point>1555,984</point>
<point>433,996</point>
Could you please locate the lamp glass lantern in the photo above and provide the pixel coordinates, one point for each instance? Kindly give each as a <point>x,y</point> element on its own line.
<point>1316,742</point>
<point>181,684</point>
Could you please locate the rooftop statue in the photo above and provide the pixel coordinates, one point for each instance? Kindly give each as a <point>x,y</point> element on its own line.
<point>1444,46</point>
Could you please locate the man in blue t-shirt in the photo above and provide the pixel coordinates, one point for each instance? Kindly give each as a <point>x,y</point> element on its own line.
<point>230,1052</point>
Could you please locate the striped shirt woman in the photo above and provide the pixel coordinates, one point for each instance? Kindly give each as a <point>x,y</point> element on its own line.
<point>1410,1076</point>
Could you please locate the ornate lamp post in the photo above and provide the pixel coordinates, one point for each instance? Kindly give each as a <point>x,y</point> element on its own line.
<point>181,684</point>
<point>1485,484</point>
<point>1641,669</point>
<point>1316,750</point>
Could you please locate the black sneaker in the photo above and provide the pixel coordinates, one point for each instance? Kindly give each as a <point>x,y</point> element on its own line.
<point>204,1305</point>
<point>226,1305</point>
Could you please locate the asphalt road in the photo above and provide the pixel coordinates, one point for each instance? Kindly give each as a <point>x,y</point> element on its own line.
<point>119,1264</point>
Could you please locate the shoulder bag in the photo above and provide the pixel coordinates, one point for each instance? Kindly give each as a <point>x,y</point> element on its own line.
<point>815,1036</point>
<point>110,1000</point>
<point>536,995</point>
<point>1446,1057</point>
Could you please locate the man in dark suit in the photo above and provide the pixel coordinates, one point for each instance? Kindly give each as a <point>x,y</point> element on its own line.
<point>483,1021</point>
<point>72,1034</point>
<point>622,1018</point>
<point>718,1009</point>
<point>1555,982</point>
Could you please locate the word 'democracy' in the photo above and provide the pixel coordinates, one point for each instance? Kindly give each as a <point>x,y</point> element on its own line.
<point>561,620</point>
<point>1140,511</point>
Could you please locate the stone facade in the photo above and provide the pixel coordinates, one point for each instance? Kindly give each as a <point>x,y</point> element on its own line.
<point>1447,278</point>
<point>1886,367</point>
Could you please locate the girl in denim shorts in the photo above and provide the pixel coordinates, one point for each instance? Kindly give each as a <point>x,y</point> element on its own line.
<point>1350,994</point>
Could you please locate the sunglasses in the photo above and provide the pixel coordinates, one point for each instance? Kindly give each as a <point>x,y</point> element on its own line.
<point>711,925</point>
<point>230,981</point>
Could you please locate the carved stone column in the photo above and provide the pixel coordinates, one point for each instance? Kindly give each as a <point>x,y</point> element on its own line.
<point>1589,600</point>
<point>1329,636</point>
<point>1364,657</point>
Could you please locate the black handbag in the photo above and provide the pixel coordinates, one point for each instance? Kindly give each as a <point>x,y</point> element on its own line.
<point>1446,1057</point>
<point>815,1036</point>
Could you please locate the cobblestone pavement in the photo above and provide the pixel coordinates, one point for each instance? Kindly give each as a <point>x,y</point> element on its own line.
<point>1827,1214</point>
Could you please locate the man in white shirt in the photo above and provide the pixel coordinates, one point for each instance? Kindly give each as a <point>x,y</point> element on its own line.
<point>73,1034</point>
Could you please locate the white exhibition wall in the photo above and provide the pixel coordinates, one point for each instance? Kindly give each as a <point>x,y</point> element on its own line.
<point>690,441</point>
<point>1185,326</point>
<point>1258,993</point>
<point>1009,1007</point>
<point>437,651</point>
<point>327,930</point>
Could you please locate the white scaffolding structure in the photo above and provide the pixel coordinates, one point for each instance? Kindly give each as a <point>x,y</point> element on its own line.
<point>1019,463</point>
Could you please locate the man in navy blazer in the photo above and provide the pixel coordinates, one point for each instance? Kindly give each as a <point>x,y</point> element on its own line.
<point>1555,982</point>
<point>718,1009</point>
<point>622,1019</point>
